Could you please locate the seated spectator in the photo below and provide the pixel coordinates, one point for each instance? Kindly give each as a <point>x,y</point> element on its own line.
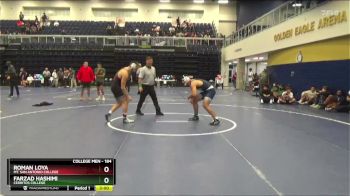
<point>308,97</point>
<point>109,30</point>
<point>21,26</point>
<point>321,98</point>
<point>56,24</point>
<point>277,91</point>
<point>29,80</point>
<point>265,95</point>
<point>332,101</point>
<point>344,107</point>
<point>287,97</point>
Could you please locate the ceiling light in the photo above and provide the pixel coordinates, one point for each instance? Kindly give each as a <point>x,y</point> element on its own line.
<point>198,1</point>
<point>255,58</point>
<point>261,58</point>
<point>247,60</point>
<point>164,1</point>
<point>235,62</point>
<point>223,1</point>
<point>297,5</point>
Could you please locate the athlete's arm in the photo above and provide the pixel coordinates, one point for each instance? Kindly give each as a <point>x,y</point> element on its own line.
<point>140,80</point>
<point>193,89</point>
<point>124,80</point>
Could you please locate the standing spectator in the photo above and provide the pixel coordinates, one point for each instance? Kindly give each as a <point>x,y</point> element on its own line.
<point>287,97</point>
<point>44,18</point>
<point>12,77</point>
<point>147,77</point>
<point>47,75</point>
<point>23,76</point>
<point>21,16</point>
<point>85,76</point>
<point>178,23</point>
<point>60,75</point>
<point>73,81</point>
<point>100,79</point>
<point>265,95</point>
<point>234,79</point>
<point>308,97</point>
<point>66,77</point>
<point>250,78</point>
<point>55,78</point>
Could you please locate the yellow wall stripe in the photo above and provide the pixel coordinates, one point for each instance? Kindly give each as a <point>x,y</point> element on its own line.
<point>326,50</point>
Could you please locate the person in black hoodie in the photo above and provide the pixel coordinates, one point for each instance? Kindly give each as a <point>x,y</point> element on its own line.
<point>333,101</point>
<point>12,76</point>
<point>265,95</point>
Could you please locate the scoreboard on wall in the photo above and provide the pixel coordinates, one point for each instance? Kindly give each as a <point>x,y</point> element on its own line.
<point>80,174</point>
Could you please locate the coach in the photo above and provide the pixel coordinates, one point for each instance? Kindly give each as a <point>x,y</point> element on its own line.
<point>147,77</point>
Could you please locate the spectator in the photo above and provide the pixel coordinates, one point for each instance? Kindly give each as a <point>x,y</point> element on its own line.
<point>12,77</point>
<point>250,77</point>
<point>263,78</point>
<point>21,26</point>
<point>60,75</point>
<point>109,30</point>
<point>345,107</point>
<point>85,76</point>
<point>321,98</point>
<point>100,79</point>
<point>46,75</point>
<point>219,81</point>
<point>287,97</point>
<point>73,81</point>
<point>29,80</point>
<point>66,80</point>
<point>333,101</point>
<point>308,97</point>
<point>277,91</point>
<point>21,16</point>
<point>54,78</point>
<point>234,78</point>
<point>36,22</point>
<point>44,18</point>
<point>178,23</point>
<point>256,85</point>
<point>56,24</point>
<point>265,95</point>
<point>23,76</point>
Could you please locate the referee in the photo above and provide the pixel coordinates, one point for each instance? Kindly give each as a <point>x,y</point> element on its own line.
<point>147,77</point>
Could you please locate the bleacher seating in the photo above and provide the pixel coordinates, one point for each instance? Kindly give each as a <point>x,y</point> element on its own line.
<point>35,56</point>
<point>99,28</point>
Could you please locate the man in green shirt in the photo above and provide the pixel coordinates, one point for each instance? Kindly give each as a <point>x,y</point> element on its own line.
<point>100,78</point>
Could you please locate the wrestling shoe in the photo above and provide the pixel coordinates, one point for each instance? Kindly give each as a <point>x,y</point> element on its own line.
<point>107,116</point>
<point>128,120</point>
<point>194,118</point>
<point>215,122</point>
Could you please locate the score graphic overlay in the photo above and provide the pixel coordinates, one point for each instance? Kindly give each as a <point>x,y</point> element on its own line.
<point>81,174</point>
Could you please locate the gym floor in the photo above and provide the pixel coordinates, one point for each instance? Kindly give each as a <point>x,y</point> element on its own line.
<point>257,150</point>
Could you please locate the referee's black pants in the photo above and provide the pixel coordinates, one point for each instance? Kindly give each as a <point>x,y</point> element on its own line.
<point>148,90</point>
